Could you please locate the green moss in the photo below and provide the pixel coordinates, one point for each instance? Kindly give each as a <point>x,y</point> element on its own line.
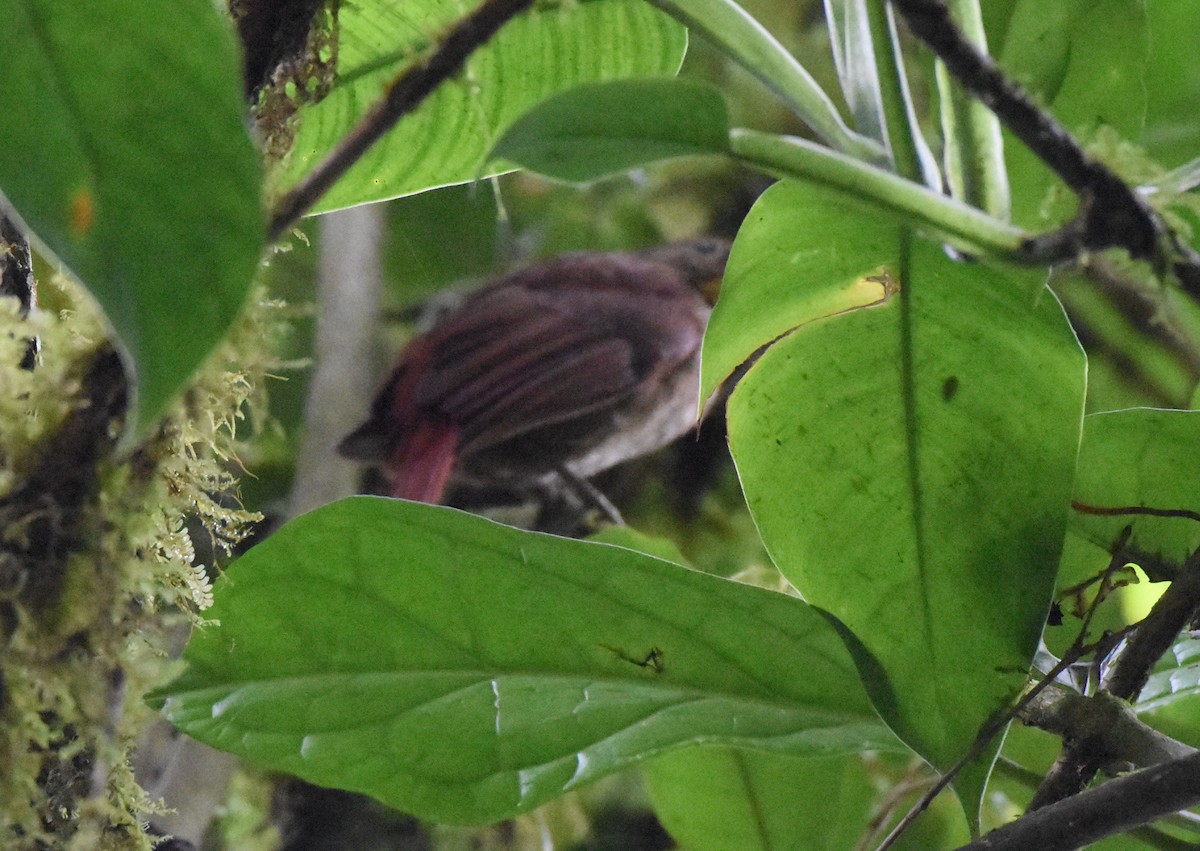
<point>129,580</point>
<point>34,403</point>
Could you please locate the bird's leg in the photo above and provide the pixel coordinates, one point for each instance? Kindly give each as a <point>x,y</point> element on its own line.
<point>589,495</point>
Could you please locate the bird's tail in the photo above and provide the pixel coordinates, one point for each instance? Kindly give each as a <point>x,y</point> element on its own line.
<point>419,467</point>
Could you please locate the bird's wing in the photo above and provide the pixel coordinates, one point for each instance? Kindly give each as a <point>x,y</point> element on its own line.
<point>516,365</point>
<point>557,342</point>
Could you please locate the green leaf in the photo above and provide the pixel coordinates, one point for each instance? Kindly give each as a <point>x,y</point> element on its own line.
<point>1171,85</point>
<point>909,467</point>
<point>465,671</point>
<point>1140,458</point>
<point>1117,63</point>
<point>1047,51</point>
<point>1037,43</point>
<point>790,266</point>
<point>601,129</point>
<point>1132,66</point>
<point>447,139</point>
<point>123,149</point>
<point>720,798</point>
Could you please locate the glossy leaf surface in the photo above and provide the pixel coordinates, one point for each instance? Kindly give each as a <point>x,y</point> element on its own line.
<point>465,671</point>
<point>806,253</point>
<point>447,139</point>
<point>605,128</point>
<point>713,799</point>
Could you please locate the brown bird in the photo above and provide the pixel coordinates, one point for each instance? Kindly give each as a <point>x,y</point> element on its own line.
<point>568,367</point>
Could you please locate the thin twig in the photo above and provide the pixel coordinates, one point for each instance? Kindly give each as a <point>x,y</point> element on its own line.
<point>917,778</point>
<point>1122,510</point>
<point>403,95</point>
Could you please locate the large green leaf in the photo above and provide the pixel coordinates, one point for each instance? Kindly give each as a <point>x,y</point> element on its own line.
<point>123,148</point>
<point>721,798</point>
<point>601,129</point>
<point>1037,43</point>
<point>1136,458</point>
<point>1132,66</point>
<point>909,466</point>
<point>447,139</point>
<point>1140,458</point>
<point>466,671</point>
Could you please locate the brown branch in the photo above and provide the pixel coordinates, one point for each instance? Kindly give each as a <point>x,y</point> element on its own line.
<point>1114,729</point>
<point>16,278</point>
<point>1150,834</point>
<point>1128,742</point>
<point>403,95</point>
<point>1117,806</point>
<point>1111,213</point>
<point>1083,756</point>
<point>16,265</point>
<point>40,516</point>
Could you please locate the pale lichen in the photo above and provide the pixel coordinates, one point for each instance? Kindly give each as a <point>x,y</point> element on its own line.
<point>34,402</point>
<point>122,555</point>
